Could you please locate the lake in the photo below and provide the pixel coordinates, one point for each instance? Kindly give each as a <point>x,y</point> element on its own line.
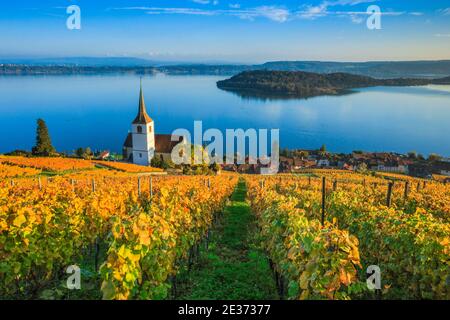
<point>97,111</point>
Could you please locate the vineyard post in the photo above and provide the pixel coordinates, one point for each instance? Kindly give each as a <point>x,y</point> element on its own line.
<point>173,280</point>
<point>97,251</point>
<point>323,199</point>
<point>424,184</point>
<point>93,185</point>
<point>309,180</point>
<point>418,186</point>
<point>209,183</point>
<point>389,194</point>
<point>40,183</point>
<point>72,182</point>
<point>12,183</point>
<point>335,185</point>
<point>406,189</point>
<point>139,186</point>
<point>151,187</point>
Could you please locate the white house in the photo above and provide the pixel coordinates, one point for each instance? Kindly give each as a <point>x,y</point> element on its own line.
<point>142,144</point>
<point>323,163</point>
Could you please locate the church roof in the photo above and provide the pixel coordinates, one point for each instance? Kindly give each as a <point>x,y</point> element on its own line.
<point>142,116</point>
<point>128,141</point>
<point>164,143</point>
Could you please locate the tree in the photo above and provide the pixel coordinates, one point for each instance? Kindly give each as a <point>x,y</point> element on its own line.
<point>21,153</point>
<point>79,152</point>
<point>88,154</point>
<point>434,157</point>
<point>156,162</point>
<point>362,168</point>
<point>43,143</point>
<point>215,167</point>
<point>323,150</point>
<point>412,155</point>
<point>164,164</point>
<point>303,154</point>
<point>85,153</point>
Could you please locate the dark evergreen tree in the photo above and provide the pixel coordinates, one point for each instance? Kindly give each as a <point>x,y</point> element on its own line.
<point>43,143</point>
<point>79,152</point>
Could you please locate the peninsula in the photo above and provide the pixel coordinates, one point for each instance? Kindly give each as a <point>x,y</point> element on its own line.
<point>299,84</point>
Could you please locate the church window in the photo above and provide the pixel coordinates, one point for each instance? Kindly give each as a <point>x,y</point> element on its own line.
<point>149,128</point>
<point>139,129</point>
<point>140,155</point>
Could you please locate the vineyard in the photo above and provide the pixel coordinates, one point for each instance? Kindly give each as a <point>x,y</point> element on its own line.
<point>131,233</point>
<point>322,234</point>
<point>142,236</point>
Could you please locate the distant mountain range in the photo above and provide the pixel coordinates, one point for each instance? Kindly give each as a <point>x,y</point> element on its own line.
<point>89,65</point>
<point>299,84</point>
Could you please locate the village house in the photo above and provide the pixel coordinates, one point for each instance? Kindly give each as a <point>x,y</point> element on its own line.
<point>104,155</point>
<point>441,167</point>
<point>323,163</point>
<point>303,164</point>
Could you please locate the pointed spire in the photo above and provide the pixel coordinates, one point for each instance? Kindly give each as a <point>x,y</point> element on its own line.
<point>142,116</point>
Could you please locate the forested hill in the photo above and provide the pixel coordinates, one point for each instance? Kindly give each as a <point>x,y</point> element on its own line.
<point>375,69</point>
<point>306,84</point>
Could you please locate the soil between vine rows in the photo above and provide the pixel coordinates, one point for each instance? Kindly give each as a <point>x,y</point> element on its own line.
<point>233,267</point>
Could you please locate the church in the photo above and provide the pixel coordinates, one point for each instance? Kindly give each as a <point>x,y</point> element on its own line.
<point>142,144</point>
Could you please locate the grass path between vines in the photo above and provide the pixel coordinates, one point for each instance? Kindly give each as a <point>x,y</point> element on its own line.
<point>233,267</point>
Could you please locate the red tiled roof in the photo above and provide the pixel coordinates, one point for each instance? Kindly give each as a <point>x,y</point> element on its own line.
<point>104,154</point>
<point>164,143</point>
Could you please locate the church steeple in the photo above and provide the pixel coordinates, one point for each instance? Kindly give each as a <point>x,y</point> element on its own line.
<point>142,116</point>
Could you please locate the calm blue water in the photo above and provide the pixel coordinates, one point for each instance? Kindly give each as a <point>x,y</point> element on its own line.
<point>96,111</point>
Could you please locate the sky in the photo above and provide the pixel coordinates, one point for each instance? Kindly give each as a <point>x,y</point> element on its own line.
<point>239,31</point>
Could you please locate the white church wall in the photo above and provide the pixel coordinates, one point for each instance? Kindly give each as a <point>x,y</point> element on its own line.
<point>143,137</point>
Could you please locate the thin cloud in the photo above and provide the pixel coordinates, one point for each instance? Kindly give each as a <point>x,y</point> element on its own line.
<point>201,1</point>
<point>321,10</point>
<point>186,11</point>
<point>445,11</point>
<point>273,13</point>
<point>270,12</point>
